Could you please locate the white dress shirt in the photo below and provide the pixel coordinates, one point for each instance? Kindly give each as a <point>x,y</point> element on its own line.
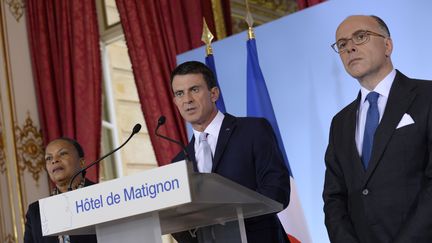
<point>213,133</point>
<point>383,89</point>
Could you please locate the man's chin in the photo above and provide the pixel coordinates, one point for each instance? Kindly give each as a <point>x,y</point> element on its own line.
<point>191,118</point>
<point>356,73</point>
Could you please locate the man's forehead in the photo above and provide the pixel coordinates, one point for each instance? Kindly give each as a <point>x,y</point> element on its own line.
<point>355,23</point>
<point>186,81</point>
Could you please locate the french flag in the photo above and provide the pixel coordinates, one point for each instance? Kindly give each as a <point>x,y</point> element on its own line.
<point>259,105</point>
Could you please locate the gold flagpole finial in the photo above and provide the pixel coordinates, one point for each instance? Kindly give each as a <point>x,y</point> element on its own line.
<point>207,38</point>
<point>249,21</point>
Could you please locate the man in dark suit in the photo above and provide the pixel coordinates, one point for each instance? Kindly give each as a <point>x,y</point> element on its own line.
<point>243,150</point>
<point>378,181</point>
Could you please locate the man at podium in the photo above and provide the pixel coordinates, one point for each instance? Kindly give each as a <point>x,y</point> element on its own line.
<point>242,149</point>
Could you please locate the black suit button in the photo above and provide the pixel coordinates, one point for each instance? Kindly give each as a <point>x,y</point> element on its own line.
<point>365,192</point>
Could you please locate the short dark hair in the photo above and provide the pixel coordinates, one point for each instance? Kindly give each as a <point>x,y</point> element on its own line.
<point>194,67</point>
<point>76,145</point>
<point>382,24</point>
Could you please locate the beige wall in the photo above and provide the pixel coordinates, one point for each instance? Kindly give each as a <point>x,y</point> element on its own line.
<point>22,175</point>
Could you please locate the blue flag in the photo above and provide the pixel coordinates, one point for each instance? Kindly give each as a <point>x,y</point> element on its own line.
<point>258,98</point>
<point>211,64</point>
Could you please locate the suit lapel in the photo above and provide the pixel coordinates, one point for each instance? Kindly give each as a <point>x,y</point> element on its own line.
<point>348,131</point>
<point>351,129</point>
<point>227,128</point>
<point>400,97</point>
<point>191,152</point>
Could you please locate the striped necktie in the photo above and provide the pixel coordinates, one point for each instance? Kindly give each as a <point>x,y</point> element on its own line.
<point>204,152</point>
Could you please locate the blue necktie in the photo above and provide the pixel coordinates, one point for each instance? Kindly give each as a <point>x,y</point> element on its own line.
<point>372,120</point>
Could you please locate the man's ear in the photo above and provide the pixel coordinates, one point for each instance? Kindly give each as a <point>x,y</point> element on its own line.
<point>389,46</point>
<point>214,93</point>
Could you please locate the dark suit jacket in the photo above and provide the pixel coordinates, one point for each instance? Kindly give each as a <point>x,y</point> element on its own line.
<point>247,153</point>
<point>33,229</point>
<point>391,201</point>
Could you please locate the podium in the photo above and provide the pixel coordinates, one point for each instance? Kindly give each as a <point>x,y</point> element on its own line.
<point>142,207</point>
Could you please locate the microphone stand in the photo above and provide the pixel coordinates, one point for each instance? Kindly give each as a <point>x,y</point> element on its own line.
<point>135,130</point>
<point>161,121</point>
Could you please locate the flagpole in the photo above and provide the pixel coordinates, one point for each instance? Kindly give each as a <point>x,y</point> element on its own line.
<point>207,38</point>
<point>249,21</point>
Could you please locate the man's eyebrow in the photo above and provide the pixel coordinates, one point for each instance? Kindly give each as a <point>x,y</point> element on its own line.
<point>342,38</point>
<point>194,86</point>
<point>189,88</point>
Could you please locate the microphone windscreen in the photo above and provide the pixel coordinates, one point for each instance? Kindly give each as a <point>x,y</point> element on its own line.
<point>161,120</point>
<point>136,128</point>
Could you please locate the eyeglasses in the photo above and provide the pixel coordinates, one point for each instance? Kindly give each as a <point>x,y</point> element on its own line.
<point>359,37</point>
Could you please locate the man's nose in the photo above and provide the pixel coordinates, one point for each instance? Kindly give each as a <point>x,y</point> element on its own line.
<point>188,98</point>
<point>351,47</point>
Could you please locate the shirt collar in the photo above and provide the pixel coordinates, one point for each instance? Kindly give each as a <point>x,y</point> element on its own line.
<point>383,87</point>
<point>213,128</point>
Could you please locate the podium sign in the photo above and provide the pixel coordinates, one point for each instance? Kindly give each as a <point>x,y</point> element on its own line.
<point>145,192</point>
<point>168,199</point>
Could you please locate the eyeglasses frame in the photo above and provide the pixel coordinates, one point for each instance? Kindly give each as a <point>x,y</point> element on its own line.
<point>367,32</point>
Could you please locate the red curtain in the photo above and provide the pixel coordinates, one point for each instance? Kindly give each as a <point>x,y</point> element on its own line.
<point>155,32</point>
<point>307,3</point>
<point>64,45</point>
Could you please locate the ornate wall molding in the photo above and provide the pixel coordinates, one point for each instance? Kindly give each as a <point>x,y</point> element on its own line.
<point>16,7</point>
<point>9,239</point>
<point>2,152</point>
<point>219,19</point>
<point>30,148</point>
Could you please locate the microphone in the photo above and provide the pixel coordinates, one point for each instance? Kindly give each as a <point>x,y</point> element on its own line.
<point>135,130</point>
<point>161,121</point>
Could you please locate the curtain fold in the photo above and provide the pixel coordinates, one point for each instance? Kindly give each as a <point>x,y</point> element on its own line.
<point>302,4</point>
<point>155,32</point>
<point>66,62</point>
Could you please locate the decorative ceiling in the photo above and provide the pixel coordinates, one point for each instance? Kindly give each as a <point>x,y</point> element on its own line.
<point>263,11</point>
